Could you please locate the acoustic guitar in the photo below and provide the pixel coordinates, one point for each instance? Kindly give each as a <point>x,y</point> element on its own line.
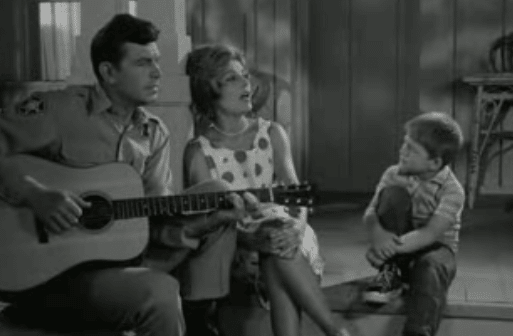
<point>114,228</point>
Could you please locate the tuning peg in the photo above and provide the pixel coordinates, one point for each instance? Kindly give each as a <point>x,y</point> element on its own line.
<point>310,210</point>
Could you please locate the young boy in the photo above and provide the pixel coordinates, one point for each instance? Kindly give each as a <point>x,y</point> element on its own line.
<point>414,221</point>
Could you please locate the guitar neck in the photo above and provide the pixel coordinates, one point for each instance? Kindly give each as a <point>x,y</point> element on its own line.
<point>169,205</point>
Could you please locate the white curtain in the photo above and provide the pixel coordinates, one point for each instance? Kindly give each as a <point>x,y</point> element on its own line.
<point>60,26</point>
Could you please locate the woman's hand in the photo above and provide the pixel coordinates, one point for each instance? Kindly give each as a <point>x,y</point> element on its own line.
<point>280,237</point>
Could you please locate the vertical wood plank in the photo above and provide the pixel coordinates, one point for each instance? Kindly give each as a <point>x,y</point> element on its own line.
<point>32,52</point>
<point>265,46</point>
<point>249,43</point>
<point>224,22</point>
<point>282,64</point>
<point>330,94</point>
<point>196,21</point>
<point>437,55</point>
<point>191,13</point>
<point>408,60</point>
<point>374,83</point>
<point>438,80</point>
<point>300,46</point>
<point>7,27</point>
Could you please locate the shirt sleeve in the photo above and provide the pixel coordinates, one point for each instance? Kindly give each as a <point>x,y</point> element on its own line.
<point>28,126</point>
<point>386,180</point>
<point>452,201</point>
<point>158,178</point>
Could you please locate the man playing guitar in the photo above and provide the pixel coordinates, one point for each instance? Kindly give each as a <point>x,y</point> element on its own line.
<point>90,126</point>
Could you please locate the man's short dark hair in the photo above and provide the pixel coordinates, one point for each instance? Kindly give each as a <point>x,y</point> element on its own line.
<point>438,133</point>
<point>107,44</point>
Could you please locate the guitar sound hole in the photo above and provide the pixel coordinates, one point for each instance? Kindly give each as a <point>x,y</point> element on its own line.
<point>98,215</point>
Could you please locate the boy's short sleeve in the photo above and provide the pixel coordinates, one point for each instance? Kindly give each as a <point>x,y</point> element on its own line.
<point>386,180</point>
<point>452,201</point>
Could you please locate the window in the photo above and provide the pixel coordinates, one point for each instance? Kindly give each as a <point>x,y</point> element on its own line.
<point>60,26</point>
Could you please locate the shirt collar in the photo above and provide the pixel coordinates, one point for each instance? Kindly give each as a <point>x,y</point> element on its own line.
<point>100,102</point>
<point>441,176</point>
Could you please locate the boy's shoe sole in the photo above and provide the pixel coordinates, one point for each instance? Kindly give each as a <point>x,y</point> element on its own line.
<point>381,297</point>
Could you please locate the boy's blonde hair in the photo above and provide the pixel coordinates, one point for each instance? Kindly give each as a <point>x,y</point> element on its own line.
<point>438,133</point>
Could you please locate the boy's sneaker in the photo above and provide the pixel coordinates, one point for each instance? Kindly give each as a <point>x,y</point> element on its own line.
<point>385,287</point>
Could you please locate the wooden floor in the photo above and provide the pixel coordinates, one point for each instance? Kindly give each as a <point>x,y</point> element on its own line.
<point>484,282</point>
<point>480,299</point>
<point>485,259</point>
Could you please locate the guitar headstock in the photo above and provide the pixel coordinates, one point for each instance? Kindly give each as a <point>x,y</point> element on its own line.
<point>295,195</point>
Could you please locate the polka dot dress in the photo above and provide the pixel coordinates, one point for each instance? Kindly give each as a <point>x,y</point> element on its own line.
<point>254,168</point>
<point>243,169</point>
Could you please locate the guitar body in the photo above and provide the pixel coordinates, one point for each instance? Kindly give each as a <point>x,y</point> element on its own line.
<point>26,262</point>
<point>115,228</point>
<point>165,258</point>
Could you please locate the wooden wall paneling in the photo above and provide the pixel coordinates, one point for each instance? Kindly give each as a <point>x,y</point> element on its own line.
<point>265,45</point>
<point>220,24</point>
<point>505,175</point>
<point>300,46</point>
<point>330,94</point>
<point>437,55</point>
<point>408,60</point>
<point>374,83</point>
<point>282,59</point>
<point>196,28</point>
<point>191,13</point>
<point>250,31</point>
<point>7,27</point>
<point>477,24</point>
<point>33,42</point>
<point>13,65</point>
<point>437,61</point>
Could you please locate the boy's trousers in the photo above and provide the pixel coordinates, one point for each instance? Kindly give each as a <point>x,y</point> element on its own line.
<point>429,271</point>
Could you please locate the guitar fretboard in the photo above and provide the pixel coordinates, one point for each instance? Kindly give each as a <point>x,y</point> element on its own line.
<point>169,205</point>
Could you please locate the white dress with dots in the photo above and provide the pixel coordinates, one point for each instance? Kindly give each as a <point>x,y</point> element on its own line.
<point>254,168</point>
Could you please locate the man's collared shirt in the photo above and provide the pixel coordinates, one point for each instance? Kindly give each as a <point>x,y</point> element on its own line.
<point>441,195</point>
<point>75,127</point>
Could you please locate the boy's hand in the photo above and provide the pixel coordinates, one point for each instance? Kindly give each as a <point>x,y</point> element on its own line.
<point>374,259</point>
<point>388,248</point>
<point>385,244</point>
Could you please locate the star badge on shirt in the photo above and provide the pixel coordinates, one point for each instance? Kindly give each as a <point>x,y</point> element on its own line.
<point>31,106</point>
